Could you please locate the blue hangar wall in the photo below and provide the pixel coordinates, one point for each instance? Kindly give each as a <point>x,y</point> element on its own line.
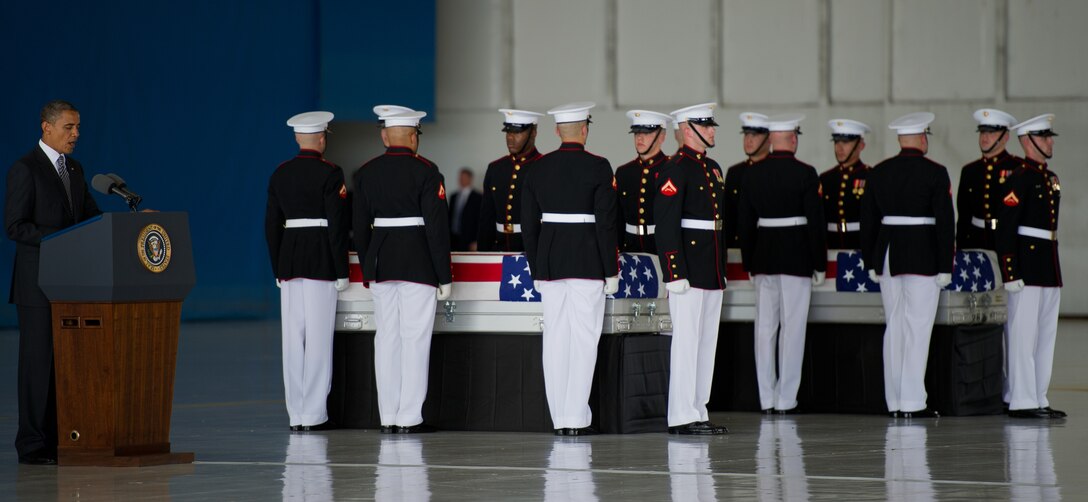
<point>187,101</point>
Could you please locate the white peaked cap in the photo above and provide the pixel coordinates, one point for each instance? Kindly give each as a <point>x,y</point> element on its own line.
<point>847,127</point>
<point>383,111</point>
<point>785,122</point>
<point>994,118</point>
<point>310,122</point>
<point>1036,125</point>
<point>523,117</point>
<point>572,112</point>
<point>753,120</point>
<point>404,119</point>
<point>912,123</point>
<point>698,113</point>
<point>648,119</point>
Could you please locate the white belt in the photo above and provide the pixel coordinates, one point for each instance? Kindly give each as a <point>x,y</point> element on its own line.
<point>305,222</point>
<point>508,228</point>
<point>981,223</point>
<point>908,220</point>
<point>407,221</point>
<point>567,218</point>
<point>792,221</point>
<point>640,229</point>
<point>701,224</point>
<point>1038,233</point>
<point>844,226</point>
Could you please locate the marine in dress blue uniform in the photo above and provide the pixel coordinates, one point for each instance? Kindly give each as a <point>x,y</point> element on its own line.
<point>907,243</point>
<point>401,231</point>
<point>755,134</point>
<point>842,186</point>
<point>691,249</point>
<point>569,223</point>
<point>982,182</point>
<point>782,232</point>
<point>637,179</point>
<point>1027,250</point>
<point>500,211</point>
<point>306,229</point>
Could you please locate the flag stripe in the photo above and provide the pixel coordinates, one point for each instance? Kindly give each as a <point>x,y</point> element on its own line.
<point>477,272</point>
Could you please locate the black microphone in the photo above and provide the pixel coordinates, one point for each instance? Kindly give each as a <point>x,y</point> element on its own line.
<point>112,184</point>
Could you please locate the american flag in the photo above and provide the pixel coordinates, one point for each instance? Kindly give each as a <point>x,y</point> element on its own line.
<point>516,285</point>
<point>974,272</point>
<point>851,274</point>
<point>638,277</point>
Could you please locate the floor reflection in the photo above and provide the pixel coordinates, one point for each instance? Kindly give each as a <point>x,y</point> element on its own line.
<point>402,472</point>
<point>1031,463</point>
<point>306,472</point>
<point>568,477</point>
<point>780,461</point>
<point>906,468</point>
<point>690,475</point>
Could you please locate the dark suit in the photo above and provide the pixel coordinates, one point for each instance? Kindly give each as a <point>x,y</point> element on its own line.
<point>572,181</point>
<point>982,185</point>
<point>468,228</point>
<point>401,184</point>
<point>842,189</point>
<point>37,205</point>
<point>501,205</point>
<point>910,185</point>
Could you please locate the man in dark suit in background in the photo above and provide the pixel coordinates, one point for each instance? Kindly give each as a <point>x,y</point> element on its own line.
<point>46,192</point>
<point>464,213</point>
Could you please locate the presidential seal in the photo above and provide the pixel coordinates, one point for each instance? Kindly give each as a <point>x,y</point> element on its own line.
<point>153,246</point>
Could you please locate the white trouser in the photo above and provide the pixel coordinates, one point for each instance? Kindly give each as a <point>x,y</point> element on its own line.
<point>1031,463</point>
<point>696,315</point>
<point>906,469</point>
<point>308,318</point>
<point>573,318</point>
<point>781,302</point>
<point>690,474</point>
<point>404,313</point>
<point>401,474</point>
<point>568,476</point>
<point>1033,329</point>
<point>910,307</point>
<point>780,462</point>
<point>306,473</point>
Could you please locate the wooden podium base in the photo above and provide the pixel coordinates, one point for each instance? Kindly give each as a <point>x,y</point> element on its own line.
<point>107,459</point>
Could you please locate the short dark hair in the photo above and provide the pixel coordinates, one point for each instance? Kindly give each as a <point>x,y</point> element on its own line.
<point>52,110</point>
<point>465,170</point>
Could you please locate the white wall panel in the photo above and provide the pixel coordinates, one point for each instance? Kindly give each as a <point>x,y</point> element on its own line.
<point>1047,45</point>
<point>943,50</point>
<point>470,65</point>
<point>662,53</point>
<point>770,51</point>
<point>560,53</point>
<point>859,50</point>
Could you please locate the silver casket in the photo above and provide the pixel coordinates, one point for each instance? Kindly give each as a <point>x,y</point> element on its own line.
<point>494,293</point>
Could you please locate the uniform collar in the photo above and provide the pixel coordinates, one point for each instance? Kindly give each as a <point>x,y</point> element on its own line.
<point>688,151</point>
<point>1031,164</point>
<point>1004,155</point>
<point>783,154</point>
<point>911,152</point>
<point>399,150</point>
<point>572,146</point>
<point>655,160</point>
<point>533,154</point>
<point>856,166</point>
<point>306,152</point>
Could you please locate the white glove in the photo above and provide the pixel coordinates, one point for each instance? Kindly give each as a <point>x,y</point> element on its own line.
<point>342,283</point>
<point>444,291</point>
<point>611,285</point>
<point>678,286</point>
<point>818,278</point>
<point>1014,286</point>
<point>874,277</point>
<point>944,279</point>
<point>278,284</point>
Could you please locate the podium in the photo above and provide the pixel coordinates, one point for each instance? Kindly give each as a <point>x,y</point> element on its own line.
<point>116,283</point>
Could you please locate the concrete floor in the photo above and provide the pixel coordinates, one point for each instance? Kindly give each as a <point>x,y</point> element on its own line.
<point>229,411</point>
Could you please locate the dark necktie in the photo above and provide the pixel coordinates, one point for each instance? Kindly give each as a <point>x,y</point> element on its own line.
<point>63,172</point>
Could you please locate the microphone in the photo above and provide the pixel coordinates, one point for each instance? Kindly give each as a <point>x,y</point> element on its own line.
<point>112,184</point>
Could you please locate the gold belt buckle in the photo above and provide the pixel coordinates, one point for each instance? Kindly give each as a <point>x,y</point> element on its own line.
<point>718,225</point>
<point>643,230</point>
<point>842,227</point>
<point>508,228</point>
<point>992,224</point>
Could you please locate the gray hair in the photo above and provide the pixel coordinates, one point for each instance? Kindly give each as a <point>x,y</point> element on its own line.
<point>52,110</point>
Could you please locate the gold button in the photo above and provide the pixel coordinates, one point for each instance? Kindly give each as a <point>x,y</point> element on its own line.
<point>989,168</point>
<point>511,186</point>
<point>698,155</point>
<point>717,217</point>
<point>624,194</point>
<point>673,265</point>
<point>641,210</point>
<point>517,167</point>
<point>987,186</point>
<point>842,194</point>
<point>509,207</point>
<point>1031,247</point>
<point>985,196</point>
<point>642,190</point>
<point>641,221</point>
<point>845,177</point>
<point>986,205</point>
<point>989,176</point>
<point>494,188</point>
<point>511,197</point>
<point>508,217</point>
<point>645,171</point>
<point>692,243</point>
<point>840,202</point>
<point>841,212</point>
<point>842,185</point>
<point>700,188</point>
<point>514,177</point>
<point>644,181</point>
<point>640,199</point>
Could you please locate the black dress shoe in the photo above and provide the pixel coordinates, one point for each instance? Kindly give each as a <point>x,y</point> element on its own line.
<point>296,428</point>
<point>561,432</point>
<point>796,410</point>
<point>768,411</point>
<point>324,426</point>
<point>922,413</point>
<point>415,429</point>
<point>388,429</point>
<point>1055,413</point>
<point>581,431</point>
<point>1030,413</point>
<point>893,414</point>
<point>698,429</point>
<point>39,457</point>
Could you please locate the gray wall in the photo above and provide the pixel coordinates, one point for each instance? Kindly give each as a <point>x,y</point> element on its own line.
<point>869,60</point>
